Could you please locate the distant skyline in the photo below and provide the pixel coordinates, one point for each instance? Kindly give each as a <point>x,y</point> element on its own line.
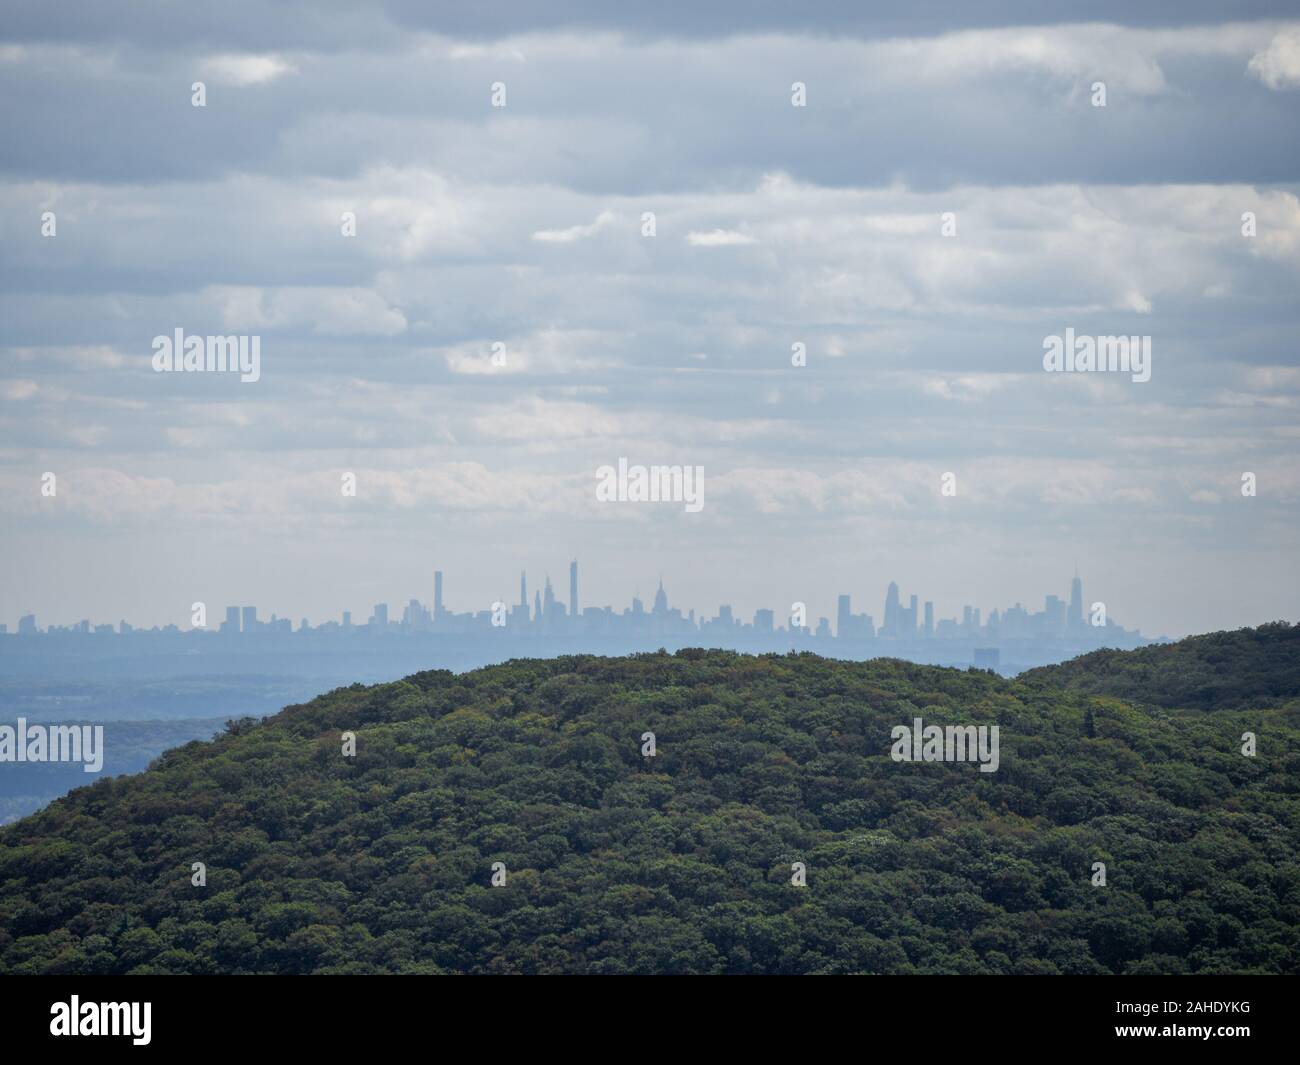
<point>813,254</point>
<point>702,587</point>
<point>543,608</point>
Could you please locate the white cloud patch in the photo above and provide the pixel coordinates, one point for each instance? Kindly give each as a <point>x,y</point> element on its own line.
<point>718,238</point>
<point>322,310</point>
<point>969,388</point>
<point>1278,65</point>
<point>549,351</point>
<point>1117,55</point>
<point>573,233</point>
<point>240,71</point>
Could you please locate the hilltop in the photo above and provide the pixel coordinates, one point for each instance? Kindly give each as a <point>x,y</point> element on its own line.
<point>383,862</point>
<point>1221,670</point>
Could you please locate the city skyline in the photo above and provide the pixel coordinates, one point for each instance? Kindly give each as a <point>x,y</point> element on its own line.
<point>546,614</point>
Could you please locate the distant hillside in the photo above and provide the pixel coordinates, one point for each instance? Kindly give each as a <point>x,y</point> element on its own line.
<point>682,863</point>
<point>1221,670</point>
<point>129,746</point>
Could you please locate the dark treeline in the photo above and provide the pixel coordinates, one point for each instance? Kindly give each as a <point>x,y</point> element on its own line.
<point>682,863</point>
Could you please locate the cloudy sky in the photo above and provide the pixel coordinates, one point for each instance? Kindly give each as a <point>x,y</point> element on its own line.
<point>774,225</point>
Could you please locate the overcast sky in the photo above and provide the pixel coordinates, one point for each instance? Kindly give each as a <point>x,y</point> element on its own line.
<point>774,225</point>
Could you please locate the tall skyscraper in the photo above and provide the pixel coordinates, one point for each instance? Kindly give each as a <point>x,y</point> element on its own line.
<point>929,618</point>
<point>380,618</point>
<point>573,588</point>
<point>523,589</point>
<point>1076,602</point>
<point>231,624</point>
<point>843,617</point>
<point>437,594</point>
<point>250,618</point>
<point>891,610</point>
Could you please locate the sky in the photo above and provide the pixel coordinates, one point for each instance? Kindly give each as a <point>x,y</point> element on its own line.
<point>948,195</point>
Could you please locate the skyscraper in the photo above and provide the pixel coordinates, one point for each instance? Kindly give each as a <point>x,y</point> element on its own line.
<point>843,617</point>
<point>437,594</point>
<point>929,618</point>
<point>250,618</point>
<point>891,610</point>
<point>523,589</point>
<point>573,588</point>
<point>1076,602</point>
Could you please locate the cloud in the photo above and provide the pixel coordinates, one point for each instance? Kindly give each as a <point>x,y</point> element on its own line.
<point>969,388</point>
<point>1278,65</point>
<point>327,310</point>
<point>241,71</point>
<point>1274,378</point>
<point>18,389</point>
<point>546,351</point>
<point>718,238</point>
<point>486,51</point>
<point>1121,56</point>
<point>580,232</point>
<point>587,110</point>
<point>80,356</point>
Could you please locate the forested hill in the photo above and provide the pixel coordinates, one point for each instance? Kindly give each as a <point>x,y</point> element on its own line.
<point>684,862</point>
<point>1248,667</point>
